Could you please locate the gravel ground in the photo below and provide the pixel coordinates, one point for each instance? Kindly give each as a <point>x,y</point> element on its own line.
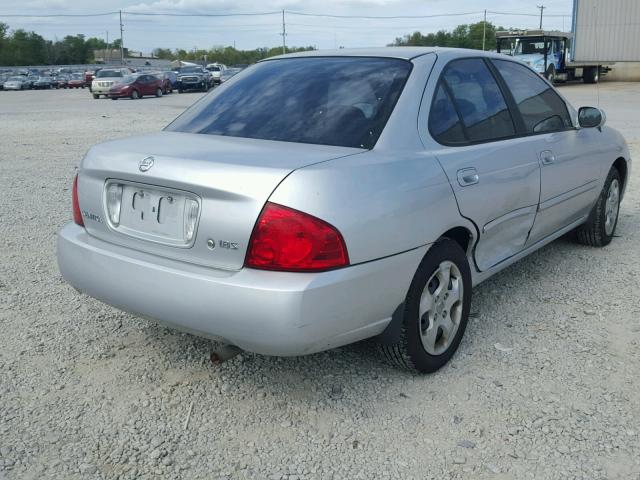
<point>544,386</point>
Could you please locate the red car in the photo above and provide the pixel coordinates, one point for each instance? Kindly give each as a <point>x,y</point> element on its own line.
<point>76,81</point>
<point>89,76</point>
<point>136,86</point>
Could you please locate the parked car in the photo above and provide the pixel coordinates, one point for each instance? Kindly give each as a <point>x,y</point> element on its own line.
<point>76,81</point>
<point>105,79</point>
<point>30,80</point>
<point>62,81</point>
<point>326,197</point>
<point>194,78</point>
<point>42,83</point>
<point>3,78</point>
<point>228,73</point>
<point>89,75</point>
<point>170,81</point>
<point>216,70</point>
<point>137,86</point>
<point>17,82</point>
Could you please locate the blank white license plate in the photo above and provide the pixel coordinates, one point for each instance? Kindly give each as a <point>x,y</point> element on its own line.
<point>156,215</point>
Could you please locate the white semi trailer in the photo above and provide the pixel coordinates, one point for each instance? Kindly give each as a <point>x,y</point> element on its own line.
<point>603,33</point>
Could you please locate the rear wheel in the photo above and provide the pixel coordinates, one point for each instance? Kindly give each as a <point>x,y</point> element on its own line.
<point>96,96</point>
<point>436,310</point>
<point>159,92</point>
<point>591,75</point>
<point>599,229</point>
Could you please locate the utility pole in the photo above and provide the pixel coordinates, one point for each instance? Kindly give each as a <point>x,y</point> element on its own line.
<point>484,30</point>
<point>284,34</point>
<point>541,7</point>
<point>121,42</point>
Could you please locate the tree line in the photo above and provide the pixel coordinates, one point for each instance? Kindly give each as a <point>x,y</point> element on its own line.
<point>225,55</point>
<point>463,36</point>
<point>19,47</point>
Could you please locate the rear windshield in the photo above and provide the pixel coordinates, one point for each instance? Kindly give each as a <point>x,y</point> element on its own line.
<point>342,101</point>
<point>109,73</point>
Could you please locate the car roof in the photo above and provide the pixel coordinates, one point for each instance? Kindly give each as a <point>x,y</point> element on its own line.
<point>405,53</point>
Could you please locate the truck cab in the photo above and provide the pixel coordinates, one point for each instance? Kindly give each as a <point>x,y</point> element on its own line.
<point>545,52</point>
<point>549,53</point>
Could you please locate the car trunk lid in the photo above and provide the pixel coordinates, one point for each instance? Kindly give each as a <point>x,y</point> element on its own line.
<point>162,175</point>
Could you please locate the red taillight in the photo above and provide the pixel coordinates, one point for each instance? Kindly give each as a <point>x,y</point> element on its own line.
<point>288,240</point>
<point>77,215</point>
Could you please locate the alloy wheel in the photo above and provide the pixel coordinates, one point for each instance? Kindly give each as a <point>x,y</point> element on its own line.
<point>441,308</point>
<point>611,207</point>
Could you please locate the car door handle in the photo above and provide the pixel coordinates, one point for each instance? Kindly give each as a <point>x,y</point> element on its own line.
<point>468,176</point>
<point>547,157</point>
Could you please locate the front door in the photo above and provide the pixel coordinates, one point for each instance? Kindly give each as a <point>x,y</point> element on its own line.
<point>568,157</point>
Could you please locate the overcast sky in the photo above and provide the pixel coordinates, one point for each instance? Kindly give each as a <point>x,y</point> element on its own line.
<point>145,32</point>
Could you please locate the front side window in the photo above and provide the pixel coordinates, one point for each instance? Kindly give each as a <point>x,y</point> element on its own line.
<point>342,101</point>
<point>541,107</point>
<point>477,99</point>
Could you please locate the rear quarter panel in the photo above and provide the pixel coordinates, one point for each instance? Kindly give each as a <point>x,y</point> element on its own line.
<point>383,203</point>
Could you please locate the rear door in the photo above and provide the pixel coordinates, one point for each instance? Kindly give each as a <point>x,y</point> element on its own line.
<point>147,85</point>
<point>569,157</point>
<point>495,176</point>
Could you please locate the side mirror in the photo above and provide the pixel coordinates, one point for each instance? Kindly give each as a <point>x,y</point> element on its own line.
<point>591,117</point>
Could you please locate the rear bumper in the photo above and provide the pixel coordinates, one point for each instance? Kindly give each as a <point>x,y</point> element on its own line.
<point>271,313</point>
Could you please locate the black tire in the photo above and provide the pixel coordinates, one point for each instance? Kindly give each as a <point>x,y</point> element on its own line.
<point>96,96</point>
<point>159,92</point>
<point>594,232</point>
<point>591,75</point>
<point>551,74</point>
<point>135,95</point>
<point>180,90</point>
<point>408,353</point>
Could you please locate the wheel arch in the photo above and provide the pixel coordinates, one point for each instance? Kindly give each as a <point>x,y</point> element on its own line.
<point>462,236</point>
<point>465,238</point>
<point>623,169</point>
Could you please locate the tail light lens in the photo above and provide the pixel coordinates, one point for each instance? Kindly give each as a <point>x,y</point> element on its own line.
<point>77,215</point>
<point>191,211</point>
<point>114,203</point>
<point>289,240</point>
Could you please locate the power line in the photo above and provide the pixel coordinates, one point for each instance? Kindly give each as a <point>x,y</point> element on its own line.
<point>382,17</point>
<point>167,14</point>
<point>279,12</point>
<point>525,14</point>
<point>30,15</point>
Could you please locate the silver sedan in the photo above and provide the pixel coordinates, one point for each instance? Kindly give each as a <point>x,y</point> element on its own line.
<point>321,198</point>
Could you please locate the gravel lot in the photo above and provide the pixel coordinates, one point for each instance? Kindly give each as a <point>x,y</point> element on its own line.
<point>544,386</point>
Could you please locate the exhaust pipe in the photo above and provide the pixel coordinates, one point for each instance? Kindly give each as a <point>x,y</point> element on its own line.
<point>224,353</point>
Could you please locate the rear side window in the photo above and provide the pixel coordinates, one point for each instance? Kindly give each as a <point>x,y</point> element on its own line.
<point>478,100</point>
<point>444,122</point>
<point>541,107</point>
<point>343,101</point>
